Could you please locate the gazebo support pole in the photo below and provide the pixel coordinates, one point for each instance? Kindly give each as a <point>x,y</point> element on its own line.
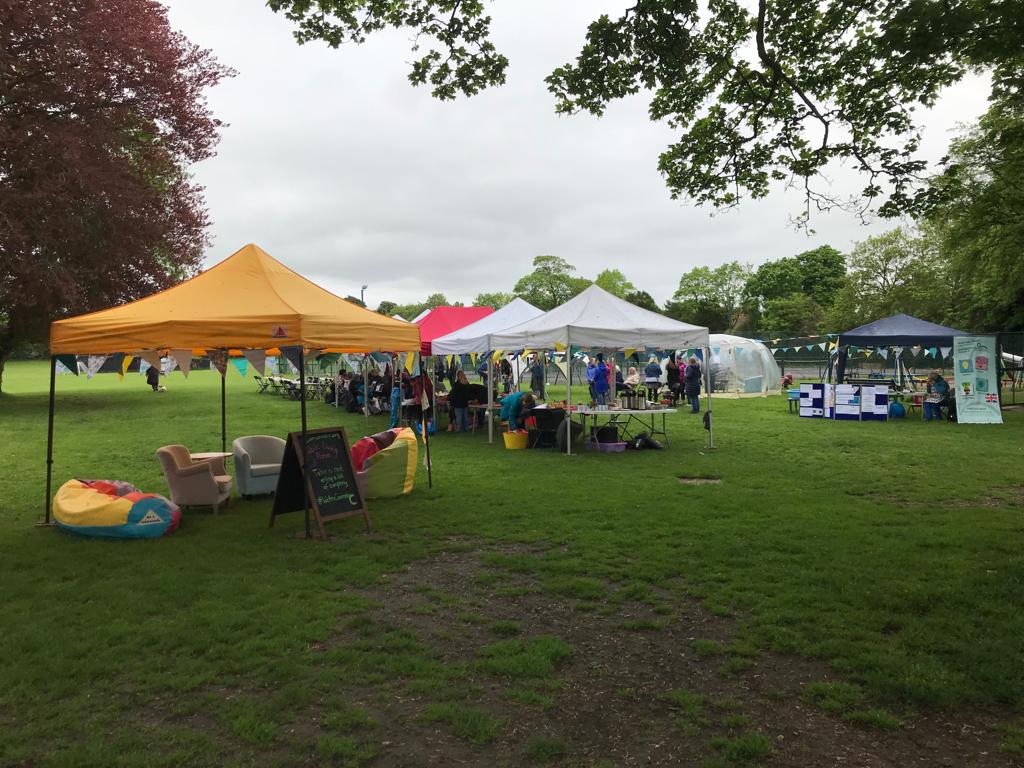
<point>366,388</point>
<point>707,388</point>
<point>305,454</point>
<point>223,413</point>
<point>49,437</point>
<point>568,395</point>
<point>490,396</point>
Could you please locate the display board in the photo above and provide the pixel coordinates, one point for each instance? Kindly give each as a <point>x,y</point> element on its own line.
<point>324,475</point>
<point>847,402</point>
<point>874,402</point>
<point>812,401</point>
<point>976,373</point>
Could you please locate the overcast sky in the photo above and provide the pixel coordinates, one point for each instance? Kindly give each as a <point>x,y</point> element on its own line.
<point>338,167</point>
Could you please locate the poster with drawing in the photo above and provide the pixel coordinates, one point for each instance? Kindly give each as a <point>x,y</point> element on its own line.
<point>976,374</point>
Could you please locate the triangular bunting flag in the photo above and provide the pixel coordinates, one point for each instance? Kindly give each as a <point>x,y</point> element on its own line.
<point>168,364</point>
<point>945,351</point>
<point>257,359</point>
<point>117,359</point>
<point>884,353</point>
<point>92,367</point>
<point>292,355</point>
<point>916,350</point>
<point>70,363</point>
<point>219,360</point>
<point>62,369</point>
<point>125,363</point>
<point>241,364</point>
<point>934,351</point>
<point>143,367</point>
<point>151,356</point>
<point>822,346</point>
<point>183,359</point>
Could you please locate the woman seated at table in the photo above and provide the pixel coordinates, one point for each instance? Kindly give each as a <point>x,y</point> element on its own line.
<point>632,380</point>
<point>938,396</point>
<point>515,407</point>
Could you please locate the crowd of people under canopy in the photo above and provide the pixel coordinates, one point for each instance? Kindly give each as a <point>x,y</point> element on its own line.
<point>403,396</point>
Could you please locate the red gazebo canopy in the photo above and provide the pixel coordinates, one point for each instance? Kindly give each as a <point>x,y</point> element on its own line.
<point>441,321</point>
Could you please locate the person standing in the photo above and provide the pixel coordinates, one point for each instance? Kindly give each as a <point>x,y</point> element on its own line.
<point>153,377</point>
<point>652,378</point>
<point>691,385</point>
<point>459,402</point>
<point>591,373</point>
<point>601,386</point>
<point>537,377</point>
<point>672,373</point>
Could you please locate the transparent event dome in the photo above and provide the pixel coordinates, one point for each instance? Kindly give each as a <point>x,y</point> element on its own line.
<point>742,366</point>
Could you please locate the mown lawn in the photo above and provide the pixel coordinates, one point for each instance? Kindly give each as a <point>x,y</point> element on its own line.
<point>873,573</point>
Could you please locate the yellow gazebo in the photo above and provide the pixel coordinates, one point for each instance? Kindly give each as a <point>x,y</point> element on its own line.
<point>248,301</point>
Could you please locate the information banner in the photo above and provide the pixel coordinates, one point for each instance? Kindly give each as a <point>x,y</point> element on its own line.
<point>977,380</point>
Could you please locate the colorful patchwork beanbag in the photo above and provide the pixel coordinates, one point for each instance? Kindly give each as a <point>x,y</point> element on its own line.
<point>113,510</point>
<point>385,463</point>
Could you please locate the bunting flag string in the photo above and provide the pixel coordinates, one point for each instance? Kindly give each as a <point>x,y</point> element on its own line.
<point>240,364</point>
<point>181,358</point>
<point>257,359</point>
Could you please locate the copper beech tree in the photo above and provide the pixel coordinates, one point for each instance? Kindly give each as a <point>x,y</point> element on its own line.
<point>102,111</point>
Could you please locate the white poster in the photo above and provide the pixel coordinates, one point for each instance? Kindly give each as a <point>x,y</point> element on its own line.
<point>976,375</point>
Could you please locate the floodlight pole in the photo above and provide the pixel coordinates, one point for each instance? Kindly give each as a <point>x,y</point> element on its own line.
<point>49,437</point>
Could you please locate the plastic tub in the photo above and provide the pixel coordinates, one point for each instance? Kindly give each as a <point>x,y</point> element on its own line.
<point>515,441</point>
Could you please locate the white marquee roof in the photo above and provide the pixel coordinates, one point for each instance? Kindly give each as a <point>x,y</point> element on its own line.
<point>476,337</point>
<point>596,319</point>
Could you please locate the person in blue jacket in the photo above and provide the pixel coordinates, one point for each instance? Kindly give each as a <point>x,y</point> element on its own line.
<point>514,408</point>
<point>938,396</point>
<point>601,381</point>
<point>652,378</point>
<point>691,385</point>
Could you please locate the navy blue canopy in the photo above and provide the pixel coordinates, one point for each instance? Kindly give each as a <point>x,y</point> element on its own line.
<point>900,331</point>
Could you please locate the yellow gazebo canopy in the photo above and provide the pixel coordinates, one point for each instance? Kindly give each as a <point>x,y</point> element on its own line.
<point>248,301</point>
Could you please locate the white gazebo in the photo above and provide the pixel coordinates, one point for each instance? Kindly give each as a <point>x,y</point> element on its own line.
<point>475,339</point>
<point>596,319</point>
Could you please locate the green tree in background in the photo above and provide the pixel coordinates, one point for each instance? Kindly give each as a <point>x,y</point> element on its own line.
<point>613,281</point>
<point>822,273</point>
<point>710,296</point>
<point>896,272</point>
<point>643,299</point>
<point>496,300</point>
<point>551,283</point>
<point>979,224</point>
<point>388,308</point>
<point>795,314</point>
<point>758,93</point>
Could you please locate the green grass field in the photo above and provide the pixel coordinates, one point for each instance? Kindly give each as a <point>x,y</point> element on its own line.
<point>845,590</point>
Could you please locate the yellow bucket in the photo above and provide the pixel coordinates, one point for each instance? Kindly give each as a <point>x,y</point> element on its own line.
<point>515,441</point>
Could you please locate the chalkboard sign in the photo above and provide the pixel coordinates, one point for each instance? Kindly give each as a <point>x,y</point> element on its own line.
<point>324,472</point>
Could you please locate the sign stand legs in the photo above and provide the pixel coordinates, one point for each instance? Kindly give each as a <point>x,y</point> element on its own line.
<point>305,457</point>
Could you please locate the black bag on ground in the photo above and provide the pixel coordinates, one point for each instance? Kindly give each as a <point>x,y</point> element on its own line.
<point>607,434</point>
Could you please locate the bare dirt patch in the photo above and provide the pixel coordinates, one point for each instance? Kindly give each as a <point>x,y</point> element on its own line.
<point>700,480</point>
<point>612,703</point>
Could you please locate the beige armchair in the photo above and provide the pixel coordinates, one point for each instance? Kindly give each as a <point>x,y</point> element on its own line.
<point>194,483</point>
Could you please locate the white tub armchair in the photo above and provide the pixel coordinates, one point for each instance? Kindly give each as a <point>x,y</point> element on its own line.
<point>257,463</point>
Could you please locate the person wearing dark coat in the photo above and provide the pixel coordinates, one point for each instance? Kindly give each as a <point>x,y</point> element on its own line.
<point>153,378</point>
<point>673,378</point>
<point>691,384</point>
